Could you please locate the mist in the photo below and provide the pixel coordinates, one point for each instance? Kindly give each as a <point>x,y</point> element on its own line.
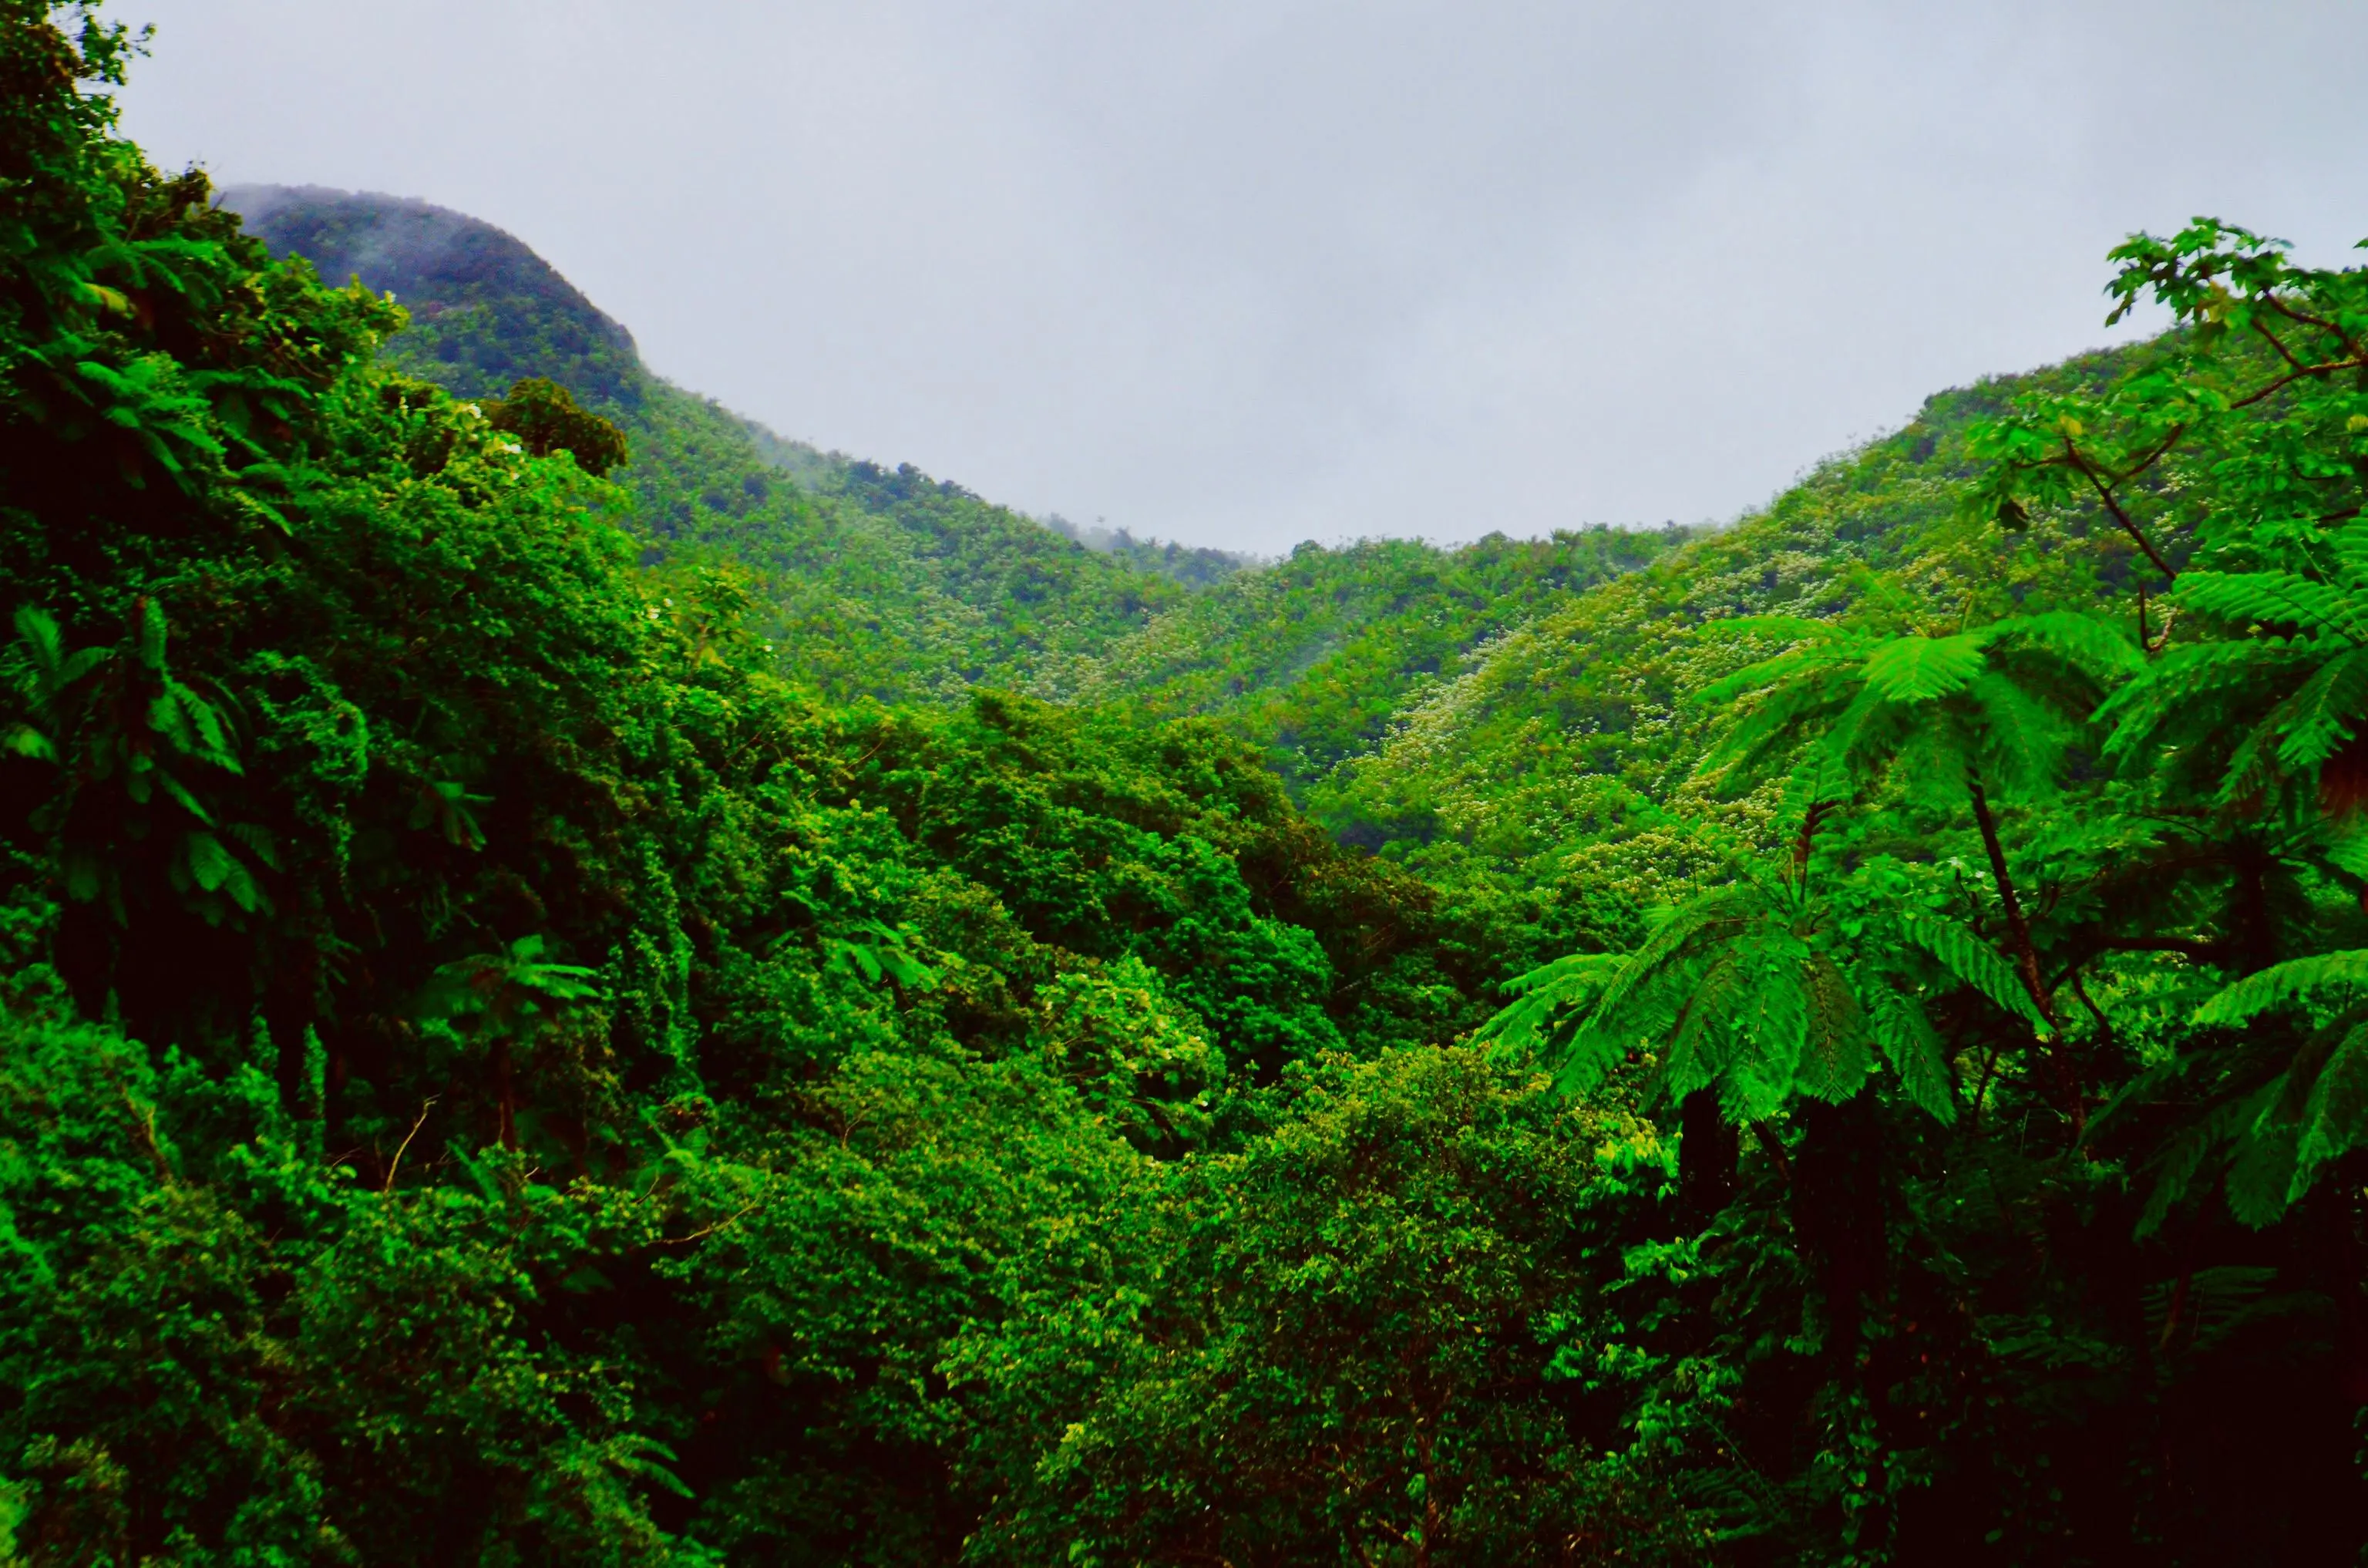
<point>1243,275</point>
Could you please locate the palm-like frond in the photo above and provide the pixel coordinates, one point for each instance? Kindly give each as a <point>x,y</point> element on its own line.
<point>1919,669</point>
<point>1733,904</point>
<point>1834,1060</point>
<point>2335,1118</point>
<point>2330,978</point>
<point>2274,599</point>
<point>1913,1048</point>
<point>2098,650</point>
<point>2321,715</point>
<point>1973,961</point>
<point>1543,994</point>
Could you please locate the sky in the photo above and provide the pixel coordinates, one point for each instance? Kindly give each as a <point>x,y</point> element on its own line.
<point>1247,274</point>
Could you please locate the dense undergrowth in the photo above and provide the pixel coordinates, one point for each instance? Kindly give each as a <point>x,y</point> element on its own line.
<point>553,1014</point>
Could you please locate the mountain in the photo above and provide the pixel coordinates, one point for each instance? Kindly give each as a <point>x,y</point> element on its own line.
<point>882,581</point>
<point>876,581</point>
<point>485,311</point>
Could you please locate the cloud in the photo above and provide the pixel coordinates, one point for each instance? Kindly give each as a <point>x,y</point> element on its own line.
<point>1243,274</point>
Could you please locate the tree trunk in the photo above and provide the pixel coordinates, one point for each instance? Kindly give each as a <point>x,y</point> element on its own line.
<point>1838,1209</point>
<point>1708,1147</point>
<point>2026,957</point>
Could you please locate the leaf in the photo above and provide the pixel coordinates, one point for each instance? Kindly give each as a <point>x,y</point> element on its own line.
<point>2335,1120</point>
<point>2264,1172</point>
<point>1773,1030</point>
<point>1546,991</point>
<point>1912,1047</point>
<point>1590,1056</point>
<point>1919,669</point>
<point>209,863</point>
<point>2319,717</point>
<point>152,635</point>
<point>1834,1062</point>
<point>2347,851</point>
<point>1702,1047</point>
<point>2276,598</point>
<point>2285,985</point>
<point>1972,960</point>
<point>2099,648</point>
<point>1727,904</point>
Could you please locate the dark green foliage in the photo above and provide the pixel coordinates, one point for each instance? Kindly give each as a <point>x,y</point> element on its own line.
<point>544,417</point>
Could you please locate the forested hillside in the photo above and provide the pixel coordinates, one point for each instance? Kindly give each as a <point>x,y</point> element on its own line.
<point>582,985</point>
<point>887,582</point>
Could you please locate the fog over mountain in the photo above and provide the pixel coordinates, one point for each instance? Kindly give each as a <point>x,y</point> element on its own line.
<point>1243,274</point>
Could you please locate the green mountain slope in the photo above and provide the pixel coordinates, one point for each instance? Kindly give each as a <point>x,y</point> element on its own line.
<point>1316,656</point>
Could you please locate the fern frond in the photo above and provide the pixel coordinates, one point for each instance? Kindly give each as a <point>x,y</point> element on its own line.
<point>2335,1119</point>
<point>1912,1046</point>
<point>1834,1062</point>
<point>2251,771</point>
<point>1773,1026</point>
<point>2184,681</point>
<point>1784,667</point>
<point>1591,1055</point>
<point>2175,1168</point>
<point>1920,669</point>
<point>1792,628</point>
<point>2273,599</point>
<point>2264,1170</point>
<point>1776,721</point>
<point>2099,648</point>
<point>2348,852</point>
<point>2319,717</point>
<point>2351,554</point>
<point>2022,741</point>
<point>1735,903</point>
<point>2287,985</point>
<point>1543,993</point>
<point>1704,1045</point>
<point>1973,961</point>
<point>1818,780</point>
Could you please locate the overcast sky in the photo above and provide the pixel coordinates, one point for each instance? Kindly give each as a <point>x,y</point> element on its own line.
<point>1245,274</point>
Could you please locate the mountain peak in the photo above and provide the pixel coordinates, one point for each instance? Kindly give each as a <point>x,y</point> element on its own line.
<point>486,309</point>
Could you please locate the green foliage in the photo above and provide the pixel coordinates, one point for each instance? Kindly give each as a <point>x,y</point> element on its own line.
<point>544,417</point>
<point>1336,1344</point>
<point>1848,1046</point>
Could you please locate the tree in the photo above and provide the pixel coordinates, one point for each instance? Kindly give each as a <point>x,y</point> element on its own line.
<point>545,418</point>
<point>1971,721</point>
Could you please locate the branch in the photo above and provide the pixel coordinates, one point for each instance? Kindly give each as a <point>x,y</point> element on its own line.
<point>2105,493</point>
<point>2215,951</point>
<point>709,1230</point>
<point>424,1107</point>
<point>2309,373</point>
